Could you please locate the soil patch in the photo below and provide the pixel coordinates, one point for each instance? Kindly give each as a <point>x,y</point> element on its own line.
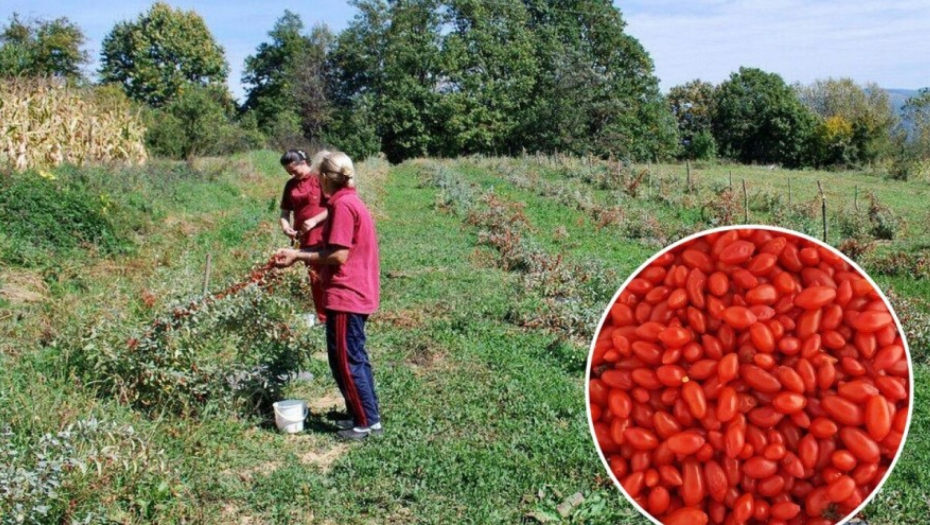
<point>20,286</point>
<point>324,458</point>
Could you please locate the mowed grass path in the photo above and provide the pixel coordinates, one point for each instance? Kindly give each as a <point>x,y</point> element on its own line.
<point>479,417</point>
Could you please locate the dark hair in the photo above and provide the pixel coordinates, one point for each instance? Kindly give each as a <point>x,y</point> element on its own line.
<point>293,155</point>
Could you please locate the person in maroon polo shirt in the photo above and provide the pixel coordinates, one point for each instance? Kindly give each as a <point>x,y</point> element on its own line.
<point>351,285</point>
<point>303,198</point>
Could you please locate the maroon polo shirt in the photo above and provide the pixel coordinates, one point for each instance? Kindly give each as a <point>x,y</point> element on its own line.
<point>355,285</point>
<point>304,198</point>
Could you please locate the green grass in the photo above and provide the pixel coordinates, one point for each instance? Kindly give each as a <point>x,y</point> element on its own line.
<point>485,420</point>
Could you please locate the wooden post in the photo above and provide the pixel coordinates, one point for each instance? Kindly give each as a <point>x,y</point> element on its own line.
<point>856,198</point>
<point>823,209</point>
<point>206,275</point>
<point>789,192</point>
<point>745,204</point>
<point>688,180</point>
<point>731,181</point>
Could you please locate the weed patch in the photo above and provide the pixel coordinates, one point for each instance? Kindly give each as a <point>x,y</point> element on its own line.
<point>53,479</point>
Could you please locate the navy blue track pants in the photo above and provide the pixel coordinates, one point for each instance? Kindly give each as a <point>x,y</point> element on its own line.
<point>348,361</point>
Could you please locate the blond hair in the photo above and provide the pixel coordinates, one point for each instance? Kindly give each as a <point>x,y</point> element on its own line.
<point>337,167</point>
<point>317,159</point>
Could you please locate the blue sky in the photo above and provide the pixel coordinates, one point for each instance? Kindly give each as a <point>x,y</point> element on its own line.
<point>883,42</point>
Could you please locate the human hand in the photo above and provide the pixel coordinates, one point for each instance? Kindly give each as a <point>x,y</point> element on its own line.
<point>290,232</point>
<point>307,225</point>
<point>285,257</point>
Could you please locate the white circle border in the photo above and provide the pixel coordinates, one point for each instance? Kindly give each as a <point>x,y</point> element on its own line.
<point>703,233</point>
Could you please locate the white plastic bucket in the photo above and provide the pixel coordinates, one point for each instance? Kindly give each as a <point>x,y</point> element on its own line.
<point>289,415</point>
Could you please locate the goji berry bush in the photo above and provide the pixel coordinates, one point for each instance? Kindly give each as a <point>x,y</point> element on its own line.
<point>749,376</point>
<point>229,349</point>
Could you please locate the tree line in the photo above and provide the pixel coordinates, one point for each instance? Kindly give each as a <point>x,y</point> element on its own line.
<point>410,78</point>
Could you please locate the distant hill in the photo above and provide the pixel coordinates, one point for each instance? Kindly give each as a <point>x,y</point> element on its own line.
<point>899,97</point>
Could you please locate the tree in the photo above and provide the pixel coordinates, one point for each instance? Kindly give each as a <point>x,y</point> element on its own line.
<point>42,47</point>
<point>195,122</point>
<point>596,92</point>
<point>692,104</point>
<point>164,51</point>
<point>857,122</point>
<point>267,74</point>
<point>355,78</point>
<point>758,118</point>
<point>833,142</point>
<point>309,84</point>
<point>489,69</point>
<point>917,114</point>
<point>407,106</point>
<point>446,77</point>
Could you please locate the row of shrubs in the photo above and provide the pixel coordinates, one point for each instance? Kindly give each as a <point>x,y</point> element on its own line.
<point>861,229</point>
<point>570,294</point>
<point>229,352</point>
<point>717,204</point>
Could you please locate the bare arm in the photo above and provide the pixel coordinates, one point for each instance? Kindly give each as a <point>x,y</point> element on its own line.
<point>314,221</point>
<point>328,257</point>
<point>286,224</point>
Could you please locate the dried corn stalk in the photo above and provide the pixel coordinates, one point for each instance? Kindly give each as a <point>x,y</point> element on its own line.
<point>44,123</point>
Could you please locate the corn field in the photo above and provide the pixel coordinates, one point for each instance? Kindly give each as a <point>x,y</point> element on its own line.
<point>44,123</point>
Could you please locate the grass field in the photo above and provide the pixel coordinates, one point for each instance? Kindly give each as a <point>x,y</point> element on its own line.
<point>479,347</point>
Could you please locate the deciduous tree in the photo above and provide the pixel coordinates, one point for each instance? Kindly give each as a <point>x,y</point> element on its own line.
<point>490,69</point>
<point>42,47</point>
<point>758,118</point>
<point>867,111</point>
<point>596,92</point>
<point>917,113</point>
<point>309,85</point>
<point>692,104</point>
<point>165,50</point>
<point>268,74</point>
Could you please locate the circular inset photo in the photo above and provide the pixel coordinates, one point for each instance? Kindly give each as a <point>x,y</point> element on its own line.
<point>749,375</point>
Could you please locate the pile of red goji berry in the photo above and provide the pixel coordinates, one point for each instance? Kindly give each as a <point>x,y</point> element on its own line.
<point>749,376</point>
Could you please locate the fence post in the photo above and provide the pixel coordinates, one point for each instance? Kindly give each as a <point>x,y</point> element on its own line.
<point>731,181</point>
<point>789,192</point>
<point>745,204</point>
<point>856,197</point>
<point>206,275</point>
<point>823,209</point>
<point>688,178</point>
